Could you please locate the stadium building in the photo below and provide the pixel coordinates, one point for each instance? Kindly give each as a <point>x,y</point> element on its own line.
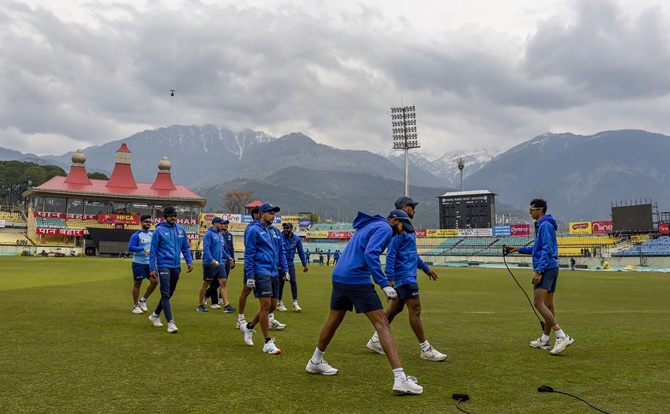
<point>98,216</point>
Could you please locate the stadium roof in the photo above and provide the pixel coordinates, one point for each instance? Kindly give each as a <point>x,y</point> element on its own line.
<point>121,185</point>
<point>466,193</point>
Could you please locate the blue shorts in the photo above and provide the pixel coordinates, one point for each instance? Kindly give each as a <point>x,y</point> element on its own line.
<point>266,286</point>
<point>408,291</point>
<point>548,281</point>
<point>140,271</point>
<point>210,272</point>
<point>363,297</point>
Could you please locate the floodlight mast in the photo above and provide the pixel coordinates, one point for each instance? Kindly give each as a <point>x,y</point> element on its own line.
<point>403,121</point>
<point>461,165</point>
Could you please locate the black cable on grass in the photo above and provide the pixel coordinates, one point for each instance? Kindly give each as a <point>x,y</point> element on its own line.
<point>459,398</point>
<point>522,289</point>
<point>546,388</point>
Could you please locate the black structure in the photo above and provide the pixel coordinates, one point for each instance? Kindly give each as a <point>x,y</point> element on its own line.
<point>467,209</point>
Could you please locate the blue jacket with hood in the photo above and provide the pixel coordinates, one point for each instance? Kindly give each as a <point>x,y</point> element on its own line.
<point>360,258</point>
<point>545,248</point>
<point>291,244</point>
<point>263,251</point>
<point>402,260</point>
<point>167,242</point>
<point>214,248</point>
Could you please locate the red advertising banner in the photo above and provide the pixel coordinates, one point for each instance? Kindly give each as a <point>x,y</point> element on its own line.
<point>118,219</point>
<point>193,236</point>
<point>180,221</point>
<point>340,234</point>
<point>663,228</point>
<point>82,216</point>
<point>601,227</point>
<point>520,230</point>
<point>46,214</point>
<point>233,218</point>
<point>420,233</point>
<point>59,232</point>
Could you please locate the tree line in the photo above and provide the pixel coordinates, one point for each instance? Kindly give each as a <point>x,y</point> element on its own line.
<point>18,176</point>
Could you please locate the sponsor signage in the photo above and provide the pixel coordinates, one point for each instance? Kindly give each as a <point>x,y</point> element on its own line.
<point>233,218</point>
<point>2,223</point>
<point>59,232</point>
<point>193,236</point>
<point>46,214</point>
<point>246,218</point>
<point>305,223</point>
<point>663,228</point>
<point>420,233</point>
<point>340,234</point>
<point>519,230</point>
<point>441,232</point>
<point>475,232</point>
<point>580,227</point>
<point>118,219</point>
<point>317,235</point>
<point>502,230</point>
<point>76,216</point>
<point>601,227</point>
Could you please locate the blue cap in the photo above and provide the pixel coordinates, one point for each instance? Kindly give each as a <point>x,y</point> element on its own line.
<point>288,224</point>
<point>405,201</point>
<point>217,220</point>
<point>402,216</point>
<point>268,207</point>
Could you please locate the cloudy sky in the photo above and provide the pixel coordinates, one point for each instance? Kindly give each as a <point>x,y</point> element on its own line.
<point>481,73</point>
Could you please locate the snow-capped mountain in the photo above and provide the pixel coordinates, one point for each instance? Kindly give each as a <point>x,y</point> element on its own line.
<point>441,169</point>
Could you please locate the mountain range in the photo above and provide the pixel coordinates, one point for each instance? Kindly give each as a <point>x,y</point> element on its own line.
<point>579,176</point>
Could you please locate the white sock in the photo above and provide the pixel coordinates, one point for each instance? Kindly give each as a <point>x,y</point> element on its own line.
<point>143,299</point>
<point>545,338</point>
<point>271,316</point>
<point>400,373</point>
<point>425,345</point>
<point>295,302</point>
<point>317,357</point>
<point>240,317</point>
<point>375,337</point>
<point>560,334</point>
<point>280,303</point>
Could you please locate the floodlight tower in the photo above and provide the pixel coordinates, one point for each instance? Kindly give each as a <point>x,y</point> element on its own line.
<point>403,120</point>
<point>461,165</point>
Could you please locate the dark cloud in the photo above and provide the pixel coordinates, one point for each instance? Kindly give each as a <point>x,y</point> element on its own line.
<point>333,77</point>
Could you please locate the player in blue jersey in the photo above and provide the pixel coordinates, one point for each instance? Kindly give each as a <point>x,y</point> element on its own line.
<point>402,261</point>
<point>168,241</point>
<point>352,288</point>
<point>292,244</point>
<point>264,255</point>
<point>213,260</point>
<point>140,245</point>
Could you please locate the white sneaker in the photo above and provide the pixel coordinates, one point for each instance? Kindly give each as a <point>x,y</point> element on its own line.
<point>215,306</point>
<point>271,348</point>
<point>172,328</point>
<point>248,334</point>
<point>321,368</point>
<point>240,323</point>
<point>156,319</point>
<point>275,325</point>
<point>561,344</point>
<point>408,386</point>
<point>296,308</point>
<point>375,346</point>
<point>281,307</point>
<point>432,354</point>
<point>539,344</point>
<point>220,301</point>
<point>143,306</point>
<point>137,309</point>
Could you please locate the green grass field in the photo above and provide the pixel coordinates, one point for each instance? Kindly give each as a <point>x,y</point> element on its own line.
<point>69,344</point>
